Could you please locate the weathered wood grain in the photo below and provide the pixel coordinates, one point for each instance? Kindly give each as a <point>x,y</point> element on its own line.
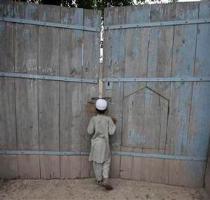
<point>159,65</point>
<point>8,138</point>
<point>28,166</point>
<point>26,54</point>
<point>136,54</point>
<point>70,167</point>
<point>115,167</point>
<point>90,69</point>
<point>6,39</point>
<point>151,170</point>
<point>126,167</point>
<point>186,173</point>
<point>170,51</point>
<point>26,61</point>
<point>7,87</point>
<point>48,91</point>
<point>127,162</point>
<point>113,66</point>
<point>8,167</point>
<point>207,175</point>
<point>198,144</point>
<point>199,120</point>
<point>181,99</point>
<point>54,115</point>
<point>182,65</point>
<point>70,93</point>
<point>85,166</point>
<point>49,167</point>
<point>199,124</point>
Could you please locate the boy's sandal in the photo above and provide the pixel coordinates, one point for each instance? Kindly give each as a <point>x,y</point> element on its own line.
<point>107,186</point>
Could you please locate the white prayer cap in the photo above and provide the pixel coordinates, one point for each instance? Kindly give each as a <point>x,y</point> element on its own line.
<point>101,104</point>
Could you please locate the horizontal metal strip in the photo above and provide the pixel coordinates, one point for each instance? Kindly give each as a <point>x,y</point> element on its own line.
<point>158,79</point>
<point>47,77</point>
<point>115,153</point>
<point>155,24</point>
<point>49,24</point>
<point>159,156</point>
<point>36,152</point>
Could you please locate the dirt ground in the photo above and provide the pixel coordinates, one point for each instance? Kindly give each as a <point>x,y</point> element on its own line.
<point>83,189</point>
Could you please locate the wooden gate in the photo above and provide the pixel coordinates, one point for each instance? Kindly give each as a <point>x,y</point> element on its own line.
<point>156,72</point>
<point>49,62</point>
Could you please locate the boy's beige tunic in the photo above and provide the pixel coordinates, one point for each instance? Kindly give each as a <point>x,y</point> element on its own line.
<point>101,126</point>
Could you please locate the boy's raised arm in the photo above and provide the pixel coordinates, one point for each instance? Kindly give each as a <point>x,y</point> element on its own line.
<point>112,127</point>
<point>91,126</point>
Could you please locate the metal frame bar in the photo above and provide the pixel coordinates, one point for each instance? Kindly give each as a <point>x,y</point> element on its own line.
<point>158,79</point>
<point>49,24</point>
<point>159,156</point>
<point>115,153</point>
<point>95,81</point>
<point>155,24</point>
<point>47,77</point>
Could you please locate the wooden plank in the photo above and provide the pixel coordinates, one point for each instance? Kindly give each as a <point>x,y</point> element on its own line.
<point>159,65</point>
<point>8,167</point>
<point>126,167</point>
<point>48,91</point>
<point>154,170</point>
<point>180,172</point>
<point>6,39</point>
<point>90,69</point>
<point>28,166</point>
<point>136,44</point>
<point>26,37</point>
<point>7,87</point>
<point>182,65</point>
<point>8,139</point>
<point>207,175</point>
<point>70,167</point>
<point>26,55</point>
<point>49,167</point>
<point>199,119</point>
<point>137,169</point>
<point>113,66</point>
<point>126,163</point>
<point>2,9</point>
<point>70,93</point>
<point>115,167</point>
<point>164,171</point>
<point>186,173</point>
<point>85,166</point>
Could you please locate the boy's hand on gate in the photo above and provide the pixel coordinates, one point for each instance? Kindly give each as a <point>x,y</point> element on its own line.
<point>114,120</point>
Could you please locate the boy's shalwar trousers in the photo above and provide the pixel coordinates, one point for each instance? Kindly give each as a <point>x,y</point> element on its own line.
<point>101,170</point>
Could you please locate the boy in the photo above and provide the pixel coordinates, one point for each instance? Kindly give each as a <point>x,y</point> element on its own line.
<point>101,126</point>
